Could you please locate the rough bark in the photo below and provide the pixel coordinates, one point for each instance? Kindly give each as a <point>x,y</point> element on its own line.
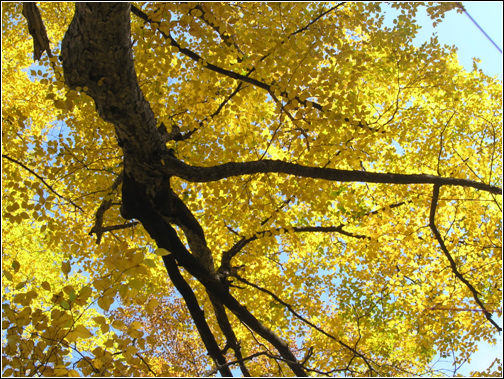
<point>37,30</point>
<point>97,57</point>
<point>226,170</point>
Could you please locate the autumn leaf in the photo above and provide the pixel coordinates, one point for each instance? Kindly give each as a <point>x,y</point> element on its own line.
<point>78,332</point>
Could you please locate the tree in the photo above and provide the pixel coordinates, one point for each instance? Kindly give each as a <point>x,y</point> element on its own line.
<point>323,195</point>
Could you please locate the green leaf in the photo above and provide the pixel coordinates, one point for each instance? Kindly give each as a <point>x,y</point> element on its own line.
<point>72,296</point>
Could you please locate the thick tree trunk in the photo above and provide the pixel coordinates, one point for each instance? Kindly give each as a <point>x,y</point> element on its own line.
<point>96,53</point>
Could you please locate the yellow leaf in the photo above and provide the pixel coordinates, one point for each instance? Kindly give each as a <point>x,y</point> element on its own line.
<point>59,104</point>
<point>135,325</point>
<point>118,324</point>
<point>16,265</point>
<point>65,267</point>
<point>8,275</point>
<point>79,331</point>
<point>105,302</point>
<point>161,252</point>
<point>99,320</point>
<point>151,305</point>
<point>150,263</point>
<point>102,284</point>
<point>82,331</point>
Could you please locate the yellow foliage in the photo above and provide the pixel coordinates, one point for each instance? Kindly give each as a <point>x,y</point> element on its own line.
<point>360,276</point>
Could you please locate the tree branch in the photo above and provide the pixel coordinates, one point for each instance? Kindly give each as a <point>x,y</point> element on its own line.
<point>234,75</point>
<point>49,187</point>
<point>231,74</point>
<point>231,340</point>
<point>37,30</point>
<point>214,173</point>
<point>98,229</point>
<point>227,38</point>
<point>236,248</point>
<point>453,265</point>
<point>298,316</point>
<point>316,19</point>
<point>197,314</point>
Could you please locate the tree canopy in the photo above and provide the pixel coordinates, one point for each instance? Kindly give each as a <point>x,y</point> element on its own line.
<point>272,189</point>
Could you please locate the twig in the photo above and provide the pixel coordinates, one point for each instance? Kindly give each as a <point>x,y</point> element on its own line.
<point>453,265</point>
<point>49,187</point>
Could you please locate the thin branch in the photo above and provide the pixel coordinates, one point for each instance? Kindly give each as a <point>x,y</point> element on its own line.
<point>119,227</point>
<point>316,19</point>
<point>98,229</point>
<point>49,187</point>
<point>441,142</point>
<point>145,363</point>
<point>227,329</point>
<point>231,74</point>
<point>238,361</point>
<point>329,229</point>
<point>236,248</point>
<point>195,57</point>
<point>229,254</point>
<point>297,315</point>
<point>453,265</point>
<point>227,38</point>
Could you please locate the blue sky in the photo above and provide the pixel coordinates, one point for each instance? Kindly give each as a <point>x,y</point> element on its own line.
<point>457,29</point>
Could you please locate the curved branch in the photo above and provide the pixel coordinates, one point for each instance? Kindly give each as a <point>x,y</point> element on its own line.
<point>238,361</point>
<point>453,265</point>
<point>226,170</point>
<point>236,248</point>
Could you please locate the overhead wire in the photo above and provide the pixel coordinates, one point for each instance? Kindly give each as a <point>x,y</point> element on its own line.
<point>479,27</point>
